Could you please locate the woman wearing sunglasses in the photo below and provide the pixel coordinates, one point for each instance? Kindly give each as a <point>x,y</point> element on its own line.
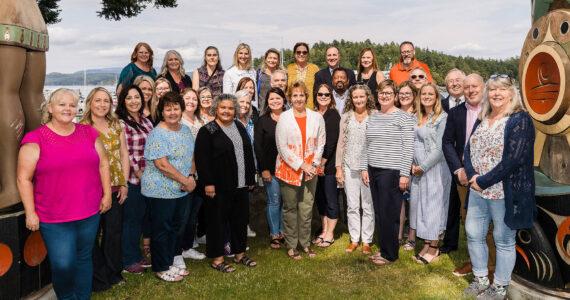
<point>302,70</point>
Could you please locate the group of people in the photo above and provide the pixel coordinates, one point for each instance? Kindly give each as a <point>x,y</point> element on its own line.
<point>179,157</point>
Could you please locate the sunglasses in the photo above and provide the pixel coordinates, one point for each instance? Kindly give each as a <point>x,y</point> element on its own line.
<point>418,76</point>
<point>301,52</point>
<point>494,76</point>
<point>324,94</point>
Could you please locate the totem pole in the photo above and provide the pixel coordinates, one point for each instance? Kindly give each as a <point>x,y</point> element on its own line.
<point>543,252</point>
<point>23,43</point>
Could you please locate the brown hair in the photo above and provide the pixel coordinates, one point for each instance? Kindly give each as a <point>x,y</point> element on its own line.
<point>332,104</point>
<point>415,97</point>
<point>370,102</point>
<point>298,85</point>
<point>374,60</point>
<point>150,53</point>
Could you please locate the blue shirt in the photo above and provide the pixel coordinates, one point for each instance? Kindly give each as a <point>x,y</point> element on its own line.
<point>178,147</point>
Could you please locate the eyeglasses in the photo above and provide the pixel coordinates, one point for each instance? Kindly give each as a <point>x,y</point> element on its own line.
<point>418,76</point>
<point>495,76</point>
<point>206,97</point>
<point>324,94</point>
<point>406,52</point>
<point>386,94</point>
<point>163,89</point>
<point>405,94</point>
<point>301,52</point>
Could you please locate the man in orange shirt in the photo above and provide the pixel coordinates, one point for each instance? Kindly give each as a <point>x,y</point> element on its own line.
<point>400,72</point>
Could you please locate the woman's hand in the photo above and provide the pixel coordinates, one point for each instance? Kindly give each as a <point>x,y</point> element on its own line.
<point>32,221</point>
<point>189,185</point>
<point>404,183</point>
<point>339,176</point>
<point>210,191</point>
<point>309,169</point>
<point>474,184</point>
<point>123,192</point>
<point>365,179</point>
<point>105,204</point>
<point>266,175</point>
<point>417,171</point>
<point>139,174</point>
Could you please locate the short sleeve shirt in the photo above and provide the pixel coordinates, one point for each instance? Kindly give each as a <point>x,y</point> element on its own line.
<point>178,147</point>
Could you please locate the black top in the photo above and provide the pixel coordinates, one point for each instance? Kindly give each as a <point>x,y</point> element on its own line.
<point>216,160</point>
<point>332,124</point>
<point>371,83</point>
<point>453,140</point>
<point>264,143</point>
<point>174,85</point>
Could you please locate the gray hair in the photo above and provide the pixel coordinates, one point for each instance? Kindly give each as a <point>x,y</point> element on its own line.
<point>220,98</point>
<point>514,106</point>
<point>164,68</point>
<point>477,76</point>
<point>417,68</point>
<point>455,70</point>
<point>240,94</point>
<point>56,96</point>
<point>280,72</point>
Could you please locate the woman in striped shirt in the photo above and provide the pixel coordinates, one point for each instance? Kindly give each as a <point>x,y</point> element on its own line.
<point>385,166</point>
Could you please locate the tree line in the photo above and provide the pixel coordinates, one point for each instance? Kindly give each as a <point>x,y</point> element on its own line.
<point>388,54</point>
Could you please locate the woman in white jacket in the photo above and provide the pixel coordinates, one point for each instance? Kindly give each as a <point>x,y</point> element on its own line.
<point>241,67</point>
<point>300,138</point>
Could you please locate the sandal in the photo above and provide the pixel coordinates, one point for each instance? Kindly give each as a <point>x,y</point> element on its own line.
<point>317,240</point>
<point>325,244</point>
<point>376,256</point>
<point>435,258</point>
<point>310,252</point>
<point>168,276</point>
<point>381,261</point>
<point>179,271</point>
<point>246,261</point>
<point>295,255</point>
<point>274,244</point>
<point>223,267</point>
<point>410,245</point>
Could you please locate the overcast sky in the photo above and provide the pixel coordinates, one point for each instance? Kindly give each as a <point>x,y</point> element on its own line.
<point>484,28</point>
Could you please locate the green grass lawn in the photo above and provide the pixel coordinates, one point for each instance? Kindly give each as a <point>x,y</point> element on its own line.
<point>333,274</point>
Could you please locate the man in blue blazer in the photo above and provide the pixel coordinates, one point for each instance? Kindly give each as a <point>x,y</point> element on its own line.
<point>454,84</point>
<point>460,121</point>
<point>325,75</point>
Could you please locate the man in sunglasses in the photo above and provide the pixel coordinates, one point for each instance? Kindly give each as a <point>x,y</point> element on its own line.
<point>325,75</point>
<point>418,76</point>
<point>401,71</point>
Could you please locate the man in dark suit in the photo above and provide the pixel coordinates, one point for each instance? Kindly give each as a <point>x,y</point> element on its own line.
<point>460,121</point>
<point>454,84</point>
<point>325,75</point>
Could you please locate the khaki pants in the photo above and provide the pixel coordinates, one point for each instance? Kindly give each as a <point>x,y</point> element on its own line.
<point>297,212</point>
<point>462,190</point>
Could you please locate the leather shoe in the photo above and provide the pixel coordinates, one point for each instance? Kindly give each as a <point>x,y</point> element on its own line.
<point>463,270</point>
<point>446,249</point>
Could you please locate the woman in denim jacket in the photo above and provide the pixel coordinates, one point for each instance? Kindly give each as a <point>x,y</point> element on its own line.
<point>431,182</point>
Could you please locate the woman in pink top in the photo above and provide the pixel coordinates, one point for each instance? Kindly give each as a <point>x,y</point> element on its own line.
<point>64,182</point>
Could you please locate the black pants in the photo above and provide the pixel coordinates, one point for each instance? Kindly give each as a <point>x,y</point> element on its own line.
<point>326,196</point>
<point>453,218</point>
<point>227,206</point>
<point>107,254</point>
<point>187,238</point>
<point>387,200</point>
<point>167,217</point>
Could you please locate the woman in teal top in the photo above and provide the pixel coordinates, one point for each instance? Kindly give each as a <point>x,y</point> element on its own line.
<point>141,64</point>
<point>166,181</point>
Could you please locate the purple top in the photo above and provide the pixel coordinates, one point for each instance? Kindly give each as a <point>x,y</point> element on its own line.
<point>67,181</point>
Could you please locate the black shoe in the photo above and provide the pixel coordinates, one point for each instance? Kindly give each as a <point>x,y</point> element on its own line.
<point>446,249</point>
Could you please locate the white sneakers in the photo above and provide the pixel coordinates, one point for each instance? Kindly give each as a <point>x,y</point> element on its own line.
<point>179,262</point>
<point>250,233</point>
<point>192,254</point>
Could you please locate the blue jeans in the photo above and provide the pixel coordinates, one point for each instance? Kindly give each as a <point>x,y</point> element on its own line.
<point>133,214</point>
<point>479,213</point>
<point>70,250</point>
<point>274,211</point>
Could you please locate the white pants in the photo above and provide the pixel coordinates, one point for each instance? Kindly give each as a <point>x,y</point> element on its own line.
<point>355,191</point>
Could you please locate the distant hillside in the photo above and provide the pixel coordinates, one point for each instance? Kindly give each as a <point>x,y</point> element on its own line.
<point>107,76</point>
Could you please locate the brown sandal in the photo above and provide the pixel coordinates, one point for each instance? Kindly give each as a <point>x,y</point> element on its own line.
<point>310,252</point>
<point>295,255</point>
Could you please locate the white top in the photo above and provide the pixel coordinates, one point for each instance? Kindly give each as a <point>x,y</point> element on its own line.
<point>231,78</point>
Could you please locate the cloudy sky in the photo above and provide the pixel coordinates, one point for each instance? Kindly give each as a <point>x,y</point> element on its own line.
<point>483,28</point>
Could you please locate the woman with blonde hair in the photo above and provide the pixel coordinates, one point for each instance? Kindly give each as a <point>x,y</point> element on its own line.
<point>141,64</point>
<point>431,180</point>
<point>242,67</point>
<point>205,101</point>
<point>107,255</point>
<point>270,64</point>
<point>162,86</point>
<point>147,86</point>
<point>173,70</point>
<point>302,70</point>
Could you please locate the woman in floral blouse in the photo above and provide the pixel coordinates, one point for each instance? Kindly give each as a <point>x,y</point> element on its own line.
<point>499,165</point>
<point>107,251</point>
<point>166,181</point>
